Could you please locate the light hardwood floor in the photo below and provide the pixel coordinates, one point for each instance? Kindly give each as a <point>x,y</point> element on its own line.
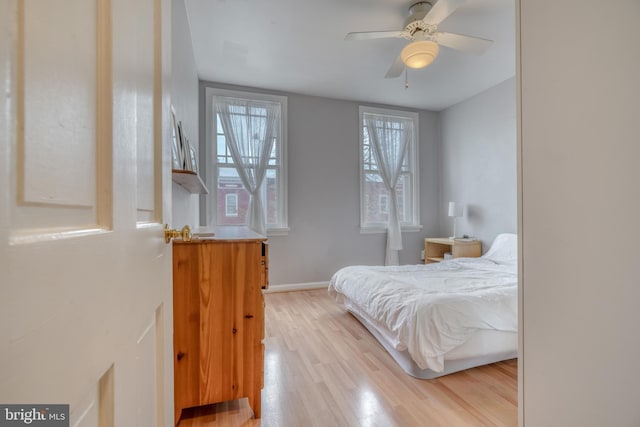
<point>323,368</point>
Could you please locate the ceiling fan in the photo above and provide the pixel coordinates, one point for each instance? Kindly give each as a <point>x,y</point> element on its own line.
<point>421,29</point>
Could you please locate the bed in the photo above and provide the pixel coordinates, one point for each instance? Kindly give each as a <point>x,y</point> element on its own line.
<point>440,318</point>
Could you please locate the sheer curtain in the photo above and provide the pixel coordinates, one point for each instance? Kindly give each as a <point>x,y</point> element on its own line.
<point>389,137</point>
<point>250,128</point>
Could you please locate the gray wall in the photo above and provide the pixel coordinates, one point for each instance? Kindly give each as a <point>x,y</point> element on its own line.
<point>579,225</point>
<point>324,204</point>
<point>479,165</point>
<point>184,99</point>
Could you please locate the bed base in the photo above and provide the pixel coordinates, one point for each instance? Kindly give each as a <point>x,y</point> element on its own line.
<point>450,365</point>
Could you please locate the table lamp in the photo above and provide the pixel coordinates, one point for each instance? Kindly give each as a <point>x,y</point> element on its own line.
<point>455,210</point>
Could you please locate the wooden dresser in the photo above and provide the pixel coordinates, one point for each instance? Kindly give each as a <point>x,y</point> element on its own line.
<point>218,318</point>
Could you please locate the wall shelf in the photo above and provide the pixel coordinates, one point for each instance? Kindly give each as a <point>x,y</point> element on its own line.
<point>190,180</point>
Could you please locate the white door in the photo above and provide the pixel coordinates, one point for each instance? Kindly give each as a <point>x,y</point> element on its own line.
<point>85,295</point>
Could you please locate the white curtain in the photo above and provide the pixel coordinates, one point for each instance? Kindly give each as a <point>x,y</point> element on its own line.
<point>250,128</point>
<point>389,137</point>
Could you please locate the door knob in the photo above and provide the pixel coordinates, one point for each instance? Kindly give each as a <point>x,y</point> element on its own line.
<point>170,233</point>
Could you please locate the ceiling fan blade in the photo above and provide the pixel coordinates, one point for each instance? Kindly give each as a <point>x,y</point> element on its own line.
<point>373,35</point>
<point>463,43</point>
<point>396,69</point>
<point>441,10</point>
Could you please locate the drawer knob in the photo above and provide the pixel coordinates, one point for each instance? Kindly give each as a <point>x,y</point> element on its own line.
<point>180,355</point>
<point>248,316</point>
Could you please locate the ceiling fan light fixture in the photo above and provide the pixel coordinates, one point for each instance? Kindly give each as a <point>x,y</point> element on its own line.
<point>419,54</point>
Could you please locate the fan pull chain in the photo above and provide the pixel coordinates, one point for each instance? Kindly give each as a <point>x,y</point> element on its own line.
<point>406,79</point>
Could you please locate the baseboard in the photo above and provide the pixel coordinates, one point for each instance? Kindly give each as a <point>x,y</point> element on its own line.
<point>296,287</point>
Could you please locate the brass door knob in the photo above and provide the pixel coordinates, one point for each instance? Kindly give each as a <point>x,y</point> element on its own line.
<point>170,233</point>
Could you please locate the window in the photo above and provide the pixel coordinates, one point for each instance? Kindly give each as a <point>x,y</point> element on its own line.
<point>374,197</point>
<point>229,205</point>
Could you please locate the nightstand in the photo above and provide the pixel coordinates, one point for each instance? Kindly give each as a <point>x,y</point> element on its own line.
<point>436,247</point>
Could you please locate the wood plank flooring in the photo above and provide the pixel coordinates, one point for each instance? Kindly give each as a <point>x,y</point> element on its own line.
<point>323,368</point>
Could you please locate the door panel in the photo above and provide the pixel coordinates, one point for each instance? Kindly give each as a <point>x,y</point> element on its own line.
<point>57,60</point>
<point>85,413</point>
<point>85,276</point>
<point>145,372</point>
<point>143,55</point>
<point>56,103</point>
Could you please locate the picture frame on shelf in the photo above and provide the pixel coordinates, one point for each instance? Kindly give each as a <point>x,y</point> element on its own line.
<point>176,146</point>
<point>186,147</point>
<point>182,140</point>
<point>185,168</point>
<point>193,155</point>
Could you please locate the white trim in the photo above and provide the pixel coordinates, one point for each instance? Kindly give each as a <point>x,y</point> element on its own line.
<point>21,237</point>
<point>211,129</point>
<point>278,231</point>
<point>381,230</point>
<point>296,287</point>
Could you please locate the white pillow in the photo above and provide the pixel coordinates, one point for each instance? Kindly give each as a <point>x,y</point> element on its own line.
<point>504,249</point>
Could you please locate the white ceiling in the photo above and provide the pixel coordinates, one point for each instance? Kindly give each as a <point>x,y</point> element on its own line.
<point>298,46</point>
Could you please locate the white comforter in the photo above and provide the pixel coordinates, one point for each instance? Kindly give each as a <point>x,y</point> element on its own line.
<point>431,309</point>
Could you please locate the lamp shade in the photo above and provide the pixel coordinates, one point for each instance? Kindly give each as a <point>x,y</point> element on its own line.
<point>419,54</point>
<point>455,209</point>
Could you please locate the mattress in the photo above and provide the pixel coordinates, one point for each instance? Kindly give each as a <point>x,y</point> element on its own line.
<point>462,311</point>
<point>482,348</point>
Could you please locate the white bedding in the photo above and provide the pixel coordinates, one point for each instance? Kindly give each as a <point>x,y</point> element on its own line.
<point>431,309</point>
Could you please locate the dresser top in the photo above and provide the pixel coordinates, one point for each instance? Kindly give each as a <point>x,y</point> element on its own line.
<point>223,233</point>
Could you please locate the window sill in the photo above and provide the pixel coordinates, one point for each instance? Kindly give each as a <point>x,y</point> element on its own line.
<point>278,231</point>
<point>380,230</point>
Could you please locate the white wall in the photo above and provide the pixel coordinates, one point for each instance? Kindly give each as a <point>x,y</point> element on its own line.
<point>184,98</point>
<point>580,147</point>
<point>478,138</point>
<point>324,206</point>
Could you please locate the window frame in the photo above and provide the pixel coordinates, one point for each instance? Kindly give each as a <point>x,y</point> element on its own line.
<point>413,224</point>
<point>210,212</point>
